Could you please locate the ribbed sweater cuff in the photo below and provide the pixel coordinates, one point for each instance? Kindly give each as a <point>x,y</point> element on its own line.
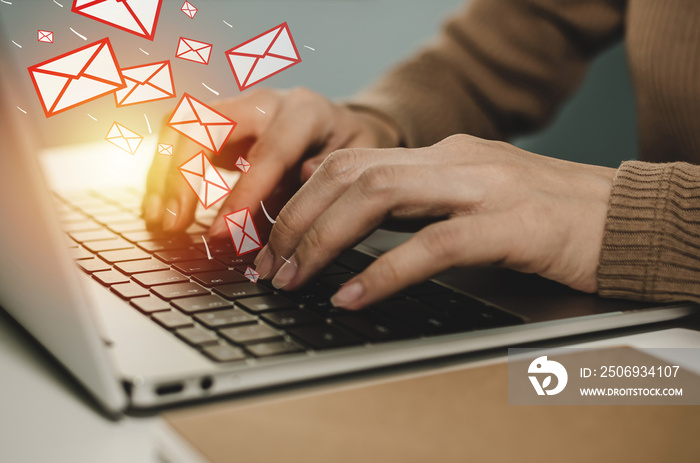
<point>651,246</point>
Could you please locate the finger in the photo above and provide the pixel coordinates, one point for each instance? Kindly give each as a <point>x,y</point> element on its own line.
<point>464,241</point>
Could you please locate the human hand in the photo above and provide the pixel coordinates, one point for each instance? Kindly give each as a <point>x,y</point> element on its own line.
<point>297,131</point>
<point>501,206</point>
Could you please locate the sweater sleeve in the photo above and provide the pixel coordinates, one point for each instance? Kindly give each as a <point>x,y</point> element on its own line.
<point>499,68</point>
<point>651,245</point>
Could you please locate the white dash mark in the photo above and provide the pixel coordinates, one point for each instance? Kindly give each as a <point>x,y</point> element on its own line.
<point>312,49</point>
<point>227,24</point>
<point>170,211</point>
<point>16,42</point>
<point>90,116</point>
<point>210,89</point>
<point>266,214</point>
<point>206,246</point>
<point>286,260</point>
<point>58,3</point>
<point>6,2</point>
<point>144,51</point>
<point>78,34</point>
<point>25,112</point>
<point>147,123</point>
<point>260,110</point>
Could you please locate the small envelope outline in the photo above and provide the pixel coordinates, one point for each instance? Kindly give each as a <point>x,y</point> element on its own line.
<point>44,36</point>
<point>193,50</point>
<point>145,83</point>
<point>199,169</point>
<point>76,77</point>
<point>124,138</point>
<point>201,124</point>
<point>165,149</point>
<point>138,17</point>
<point>251,274</point>
<point>242,164</point>
<point>243,232</point>
<point>263,56</point>
<point>189,9</point>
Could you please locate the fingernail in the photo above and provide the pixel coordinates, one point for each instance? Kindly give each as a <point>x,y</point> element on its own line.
<point>171,212</point>
<point>348,293</point>
<point>218,228</point>
<point>263,263</point>
<point>285,274</point>
<point>152,208</point>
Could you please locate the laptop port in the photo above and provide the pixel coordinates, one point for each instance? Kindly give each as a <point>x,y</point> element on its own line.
<point>167,389</point>
<point>206,383</point>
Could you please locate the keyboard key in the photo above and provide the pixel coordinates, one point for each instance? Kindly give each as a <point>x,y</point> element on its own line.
<point>129,290</point>
<point>110,277</point>
<point>123,255</point>
<point>375,329</point>
<point>452,301</point>
<point>310,293</point>
<point>172,257</point>
<point>84,226</point>
<point>425,319</point>
<point>172,319</point>
<point>239,290</point>
<point>267,349</point>
<point>201,303</point>
<point>68,215</point>
<point>224,353</point>
<point>336,281</point>
<point>197,336</point>
<point>354,260</point>
<point>159,278</point>
<point>107,245</point>
<point>426,288</point>
<point>250,334</point>
<point>325,309</point>
<point>92,235</point>
<point>150,304</point>
<point>141,266</point>
<point>291,318</point>
<point>325,337</point>
<point>124,227</point>
<point>166,245</point>
<point>93,265</point>
<point>232,259</point>
<point>223,318</point>
<point>265,303</point>
<point>334,269</point>
<point>179,290</point>
<point>199,266</point>
<point>222,277</point>
<point>114,217</point>
<point>218,246</point>
<point>81,253</point>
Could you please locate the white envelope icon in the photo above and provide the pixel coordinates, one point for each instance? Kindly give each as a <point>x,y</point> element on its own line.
<point>193,50</point>
<point>263,56</point>
<point>149,82</point>
<point>76,77</point>
<point>201,124</point>
<point>243,232</point>
<point>136,16</point>
<point>124,138</point>
<point>198,170</point>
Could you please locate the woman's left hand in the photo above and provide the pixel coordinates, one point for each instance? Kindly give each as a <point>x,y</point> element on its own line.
<point>493,204</point>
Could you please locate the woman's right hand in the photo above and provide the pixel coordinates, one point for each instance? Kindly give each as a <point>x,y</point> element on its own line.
<point>278,133</point>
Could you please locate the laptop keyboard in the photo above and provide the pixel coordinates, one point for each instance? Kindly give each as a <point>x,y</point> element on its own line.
<point>210,305</point>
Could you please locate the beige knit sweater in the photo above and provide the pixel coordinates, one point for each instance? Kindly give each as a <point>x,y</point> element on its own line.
<point>503,67</point>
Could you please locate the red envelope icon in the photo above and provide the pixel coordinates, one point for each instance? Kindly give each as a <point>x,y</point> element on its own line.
<point>150,82</point>
<point>166,150</point>
<point>251,274</point>
<point>242,164</point>
<point>136,16</point>
<point>189,9</point>
<point>44,36</point>
<point>124,138</point>
<point>76,77</point>
<point>198,170</point>
<point>263,56</point>
<point>243,232</point>
<point>193,50</point>
<point>201,124</point>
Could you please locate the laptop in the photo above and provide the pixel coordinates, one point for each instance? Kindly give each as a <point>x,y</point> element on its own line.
<point>143,320</point>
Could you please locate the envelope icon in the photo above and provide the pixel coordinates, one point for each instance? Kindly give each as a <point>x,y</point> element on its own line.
<point>193,50</point>
<point>124,138</point>
<point>251,274</point>
<point>198,170</point>
<point>166,150</point>
<point>201,124</point>
<point>242,164</point>
<point>76,77</point>
<point>189,9</point>
<point>136,16</point>
<point>44,36</point>
<point>150,82</point>
<point>263,56</point>
<point>243,232</point>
